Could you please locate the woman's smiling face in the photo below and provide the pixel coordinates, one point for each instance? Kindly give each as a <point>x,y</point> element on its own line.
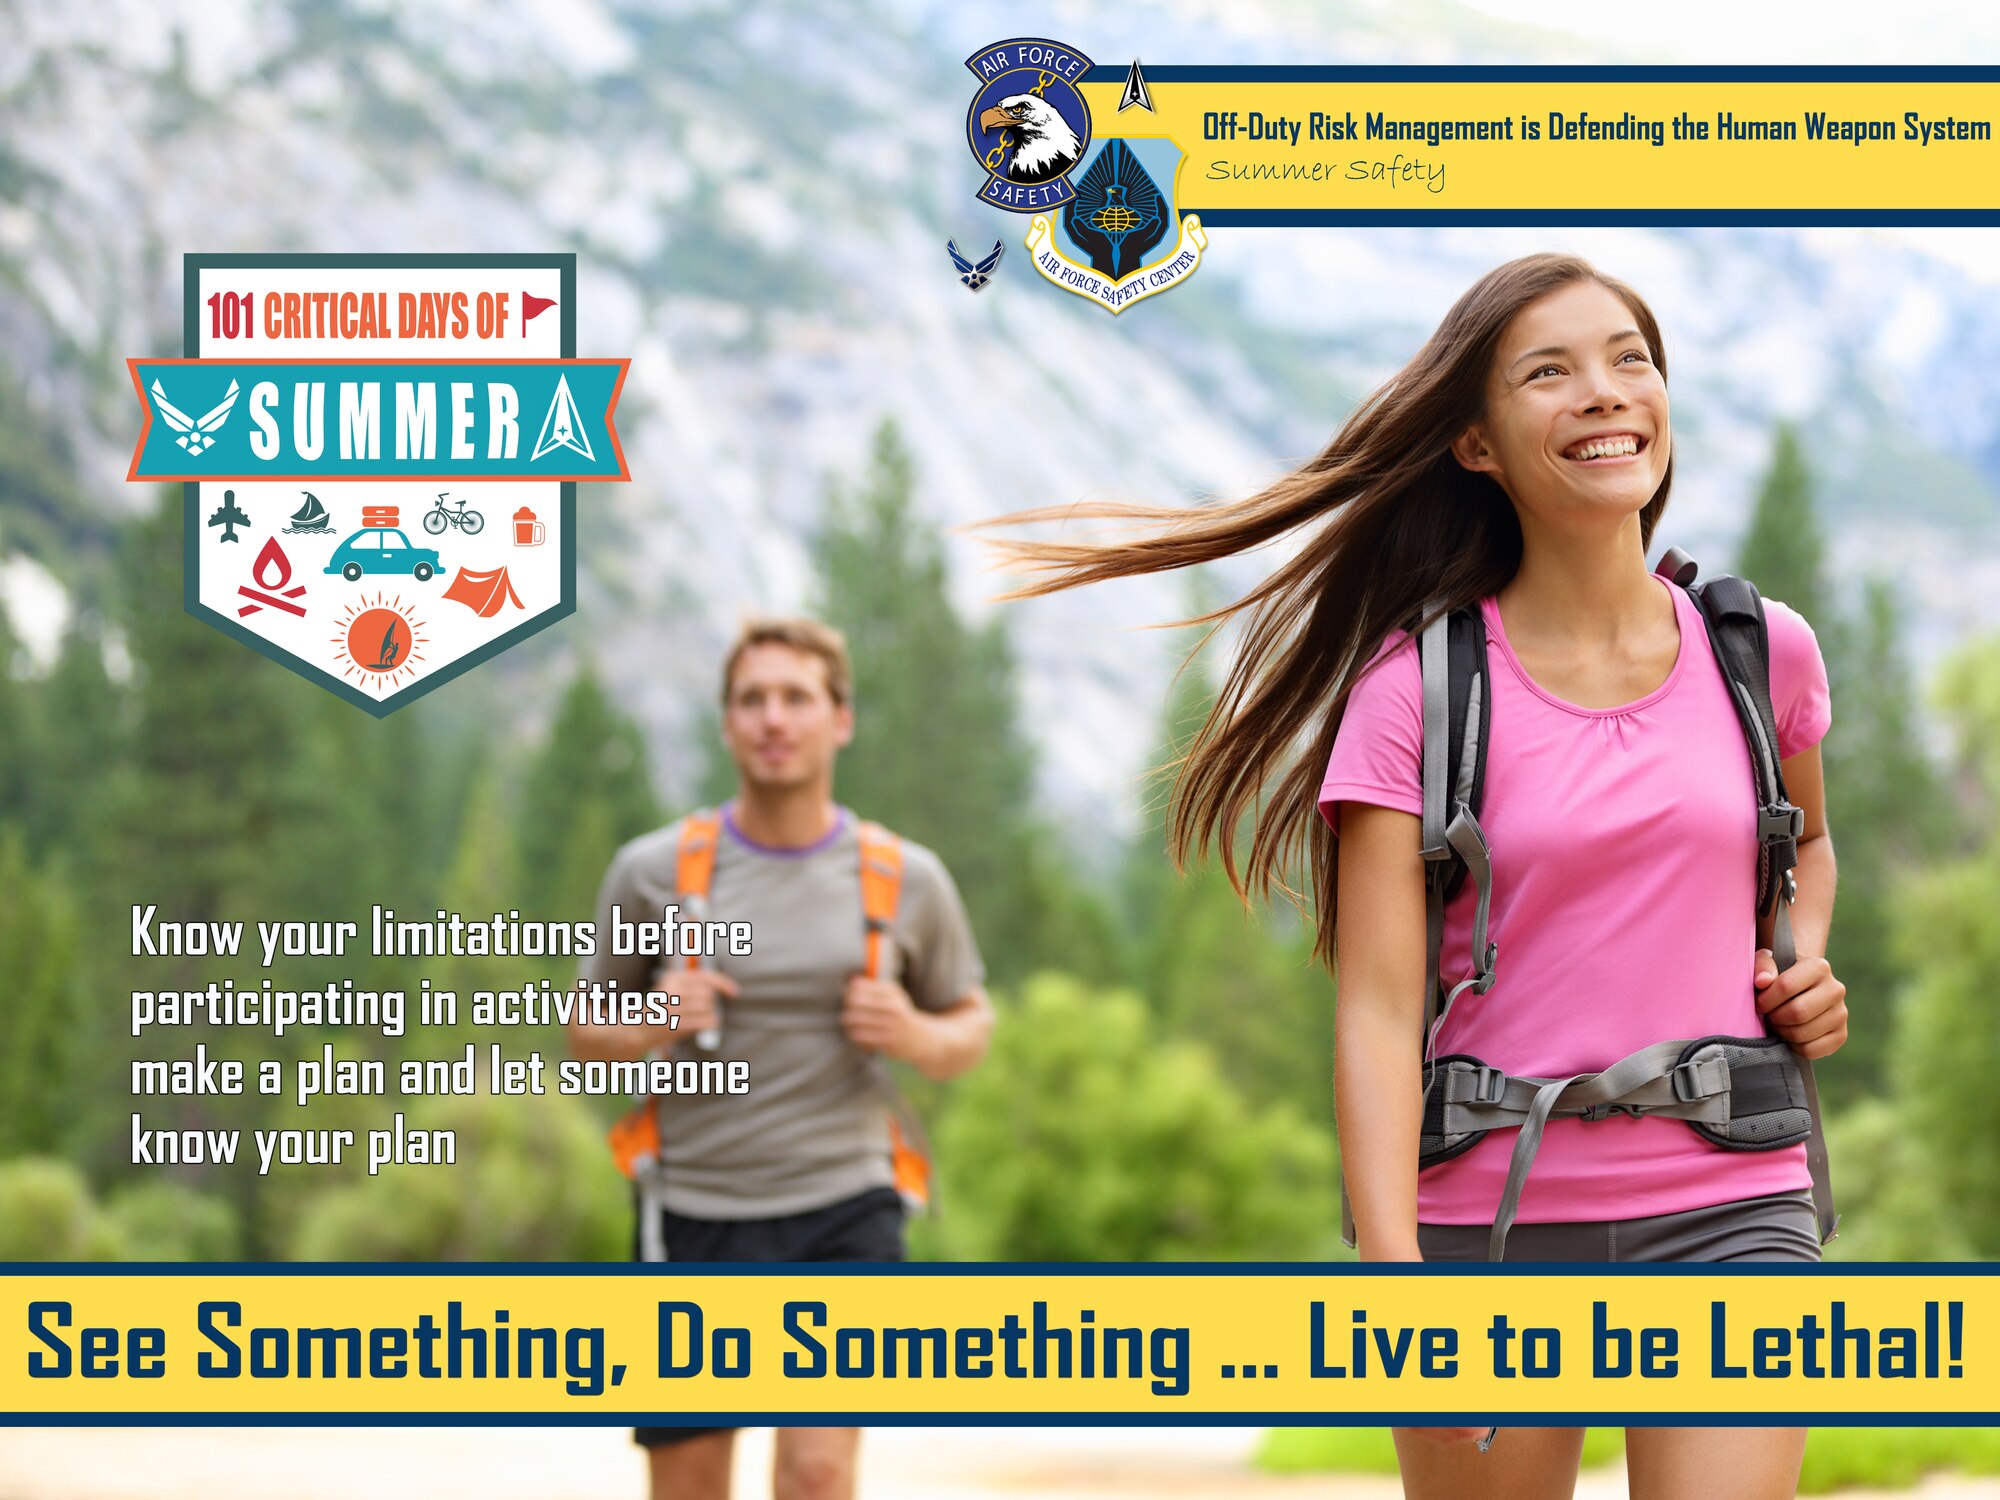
<point>1576,419</point>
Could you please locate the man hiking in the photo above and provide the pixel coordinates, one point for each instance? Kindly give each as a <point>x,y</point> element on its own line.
<point>859,951</point>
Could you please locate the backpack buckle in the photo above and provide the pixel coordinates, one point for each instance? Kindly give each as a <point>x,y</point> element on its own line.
<point>1489,1085</point>
<point>1686,1081</point>
<point>1486,978</point>
<point>1780,822</point>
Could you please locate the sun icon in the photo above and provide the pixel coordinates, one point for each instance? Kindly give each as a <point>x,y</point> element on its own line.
<point>378,641</point>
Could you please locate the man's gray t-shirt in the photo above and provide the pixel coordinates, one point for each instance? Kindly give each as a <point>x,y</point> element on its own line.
<point>813,1128</point>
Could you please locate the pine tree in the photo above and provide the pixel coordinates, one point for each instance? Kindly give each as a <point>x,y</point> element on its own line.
<point>938,752</point>
<point>1882,796</point>
<point>1887,815</point>
<point>80,733</point>
<point>1783,552</point>
<point>1241,982</point>
<point>1948,947</point>
<point>483,879</point>
<point>215,747</point>
<point>18,763</point>
<point>586,791</point>
<point>38,952</point>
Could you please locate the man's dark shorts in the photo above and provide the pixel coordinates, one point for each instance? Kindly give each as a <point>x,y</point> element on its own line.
<point>867,1227</point>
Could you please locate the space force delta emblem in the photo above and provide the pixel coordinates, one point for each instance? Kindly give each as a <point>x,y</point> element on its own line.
<point>379,457</point>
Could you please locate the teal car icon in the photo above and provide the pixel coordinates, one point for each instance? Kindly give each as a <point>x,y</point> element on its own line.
<point>382,549</point>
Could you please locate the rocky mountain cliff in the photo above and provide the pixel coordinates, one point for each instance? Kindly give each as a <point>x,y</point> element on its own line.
<point>759,200</point>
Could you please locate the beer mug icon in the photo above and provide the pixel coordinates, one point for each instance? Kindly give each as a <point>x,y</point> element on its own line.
<point>528,532</point>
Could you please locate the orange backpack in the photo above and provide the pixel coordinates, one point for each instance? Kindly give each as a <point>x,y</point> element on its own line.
<point>636,1136</point>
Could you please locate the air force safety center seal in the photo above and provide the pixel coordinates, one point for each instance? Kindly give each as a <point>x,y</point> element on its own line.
<point>1028,125</point>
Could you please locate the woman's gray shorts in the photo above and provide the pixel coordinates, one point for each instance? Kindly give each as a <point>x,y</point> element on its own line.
<point>1780,1227</point>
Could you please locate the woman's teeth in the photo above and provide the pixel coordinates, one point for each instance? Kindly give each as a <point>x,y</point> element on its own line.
<point>1618,447</point>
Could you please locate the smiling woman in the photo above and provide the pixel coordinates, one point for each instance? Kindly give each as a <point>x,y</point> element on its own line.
<point>1508,480</point>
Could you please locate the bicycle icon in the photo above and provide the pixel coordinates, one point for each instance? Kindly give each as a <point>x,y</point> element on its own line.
<point>440,518</point>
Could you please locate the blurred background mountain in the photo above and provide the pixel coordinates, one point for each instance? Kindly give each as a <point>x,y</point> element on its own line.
<point>759,199</point>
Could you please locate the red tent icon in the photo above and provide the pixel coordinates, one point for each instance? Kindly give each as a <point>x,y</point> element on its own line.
<point>485,594</point>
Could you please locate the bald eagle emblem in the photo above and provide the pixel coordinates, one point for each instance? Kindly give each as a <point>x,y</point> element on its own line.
<point>1029,125</point>
<point>973,276</point>
<point>1043,145</point>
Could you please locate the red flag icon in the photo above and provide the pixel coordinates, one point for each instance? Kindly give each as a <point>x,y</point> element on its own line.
<point>533,307</point>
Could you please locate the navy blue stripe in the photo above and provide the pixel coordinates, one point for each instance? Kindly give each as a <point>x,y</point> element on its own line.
<point>1537,73</point>
<point>1579,218</point>
<point>1148,1418</point>
<point>1219,1269</point>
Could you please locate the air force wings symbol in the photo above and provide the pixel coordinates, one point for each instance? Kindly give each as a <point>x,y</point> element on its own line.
<point>977,276</point>
<point>196,433</point>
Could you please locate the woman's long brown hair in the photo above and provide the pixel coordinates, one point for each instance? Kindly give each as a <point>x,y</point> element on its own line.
<point>1403,534</point>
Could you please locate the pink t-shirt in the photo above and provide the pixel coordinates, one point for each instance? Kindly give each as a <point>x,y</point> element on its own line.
<point>1624,887</point>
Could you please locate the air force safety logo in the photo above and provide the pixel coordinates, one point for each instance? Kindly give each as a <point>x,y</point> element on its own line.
<point>1118,238</point>
<point>1028,125</point>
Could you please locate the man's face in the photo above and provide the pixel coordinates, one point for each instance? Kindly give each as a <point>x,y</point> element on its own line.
<point>780,722</point>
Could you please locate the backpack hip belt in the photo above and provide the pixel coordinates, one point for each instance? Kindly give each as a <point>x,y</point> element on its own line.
<point>1740,1093</point>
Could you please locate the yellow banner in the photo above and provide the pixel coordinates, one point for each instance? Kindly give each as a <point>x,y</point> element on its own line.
<point>990,1345</point>
<point>1659,148</point>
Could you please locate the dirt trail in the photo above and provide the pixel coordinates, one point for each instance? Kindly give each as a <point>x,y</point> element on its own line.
<point>559,1463</point>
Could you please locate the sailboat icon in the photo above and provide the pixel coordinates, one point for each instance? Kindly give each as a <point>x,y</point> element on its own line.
<point>310,518</point>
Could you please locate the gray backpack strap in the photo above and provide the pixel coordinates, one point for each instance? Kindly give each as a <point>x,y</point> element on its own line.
<point>1434,658</point>
<point>1434,652</point>
<point>1784,954</point>
<point>1451,831</point>
<point>652,1203</point>
<point>1451,836</point>
<point>1733,612</point>
<point>1619,1081</point>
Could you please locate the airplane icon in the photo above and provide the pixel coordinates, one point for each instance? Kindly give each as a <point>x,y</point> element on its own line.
<point>228,516</point>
